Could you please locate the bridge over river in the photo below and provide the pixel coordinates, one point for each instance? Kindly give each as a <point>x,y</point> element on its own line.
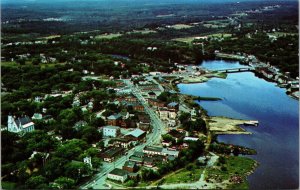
<point>235,70</point>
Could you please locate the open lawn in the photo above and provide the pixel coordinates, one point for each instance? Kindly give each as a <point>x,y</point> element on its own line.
<point>108,36</point>
<point>185,39</point>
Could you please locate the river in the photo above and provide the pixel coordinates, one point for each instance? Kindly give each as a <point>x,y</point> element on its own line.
<point>276,139</point>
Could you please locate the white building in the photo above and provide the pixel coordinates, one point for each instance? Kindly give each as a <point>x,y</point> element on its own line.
<point>21,124</point>
<point>111,131</point>
<point>118,175</point>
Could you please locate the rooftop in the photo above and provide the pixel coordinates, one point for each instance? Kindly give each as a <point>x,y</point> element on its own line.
<point>136,133</point>
<point>136,159</point>
<point>173,104</point>
<point>129,164</point>
<point>153,148</point>
<point>23,120</point>
<point>118,172</point>
<point>114,117</point>
<point>138,154</point>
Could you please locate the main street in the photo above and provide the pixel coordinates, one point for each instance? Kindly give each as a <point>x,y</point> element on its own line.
<point>98,181</point>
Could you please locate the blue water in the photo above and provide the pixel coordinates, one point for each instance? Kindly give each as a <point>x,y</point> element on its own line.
<point>276,139</point>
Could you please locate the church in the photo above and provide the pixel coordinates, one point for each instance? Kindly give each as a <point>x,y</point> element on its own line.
<point>20,124</point>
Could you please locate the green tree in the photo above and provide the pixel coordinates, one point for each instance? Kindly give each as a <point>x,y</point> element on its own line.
<point>36,182</point>
<point>65,183</point>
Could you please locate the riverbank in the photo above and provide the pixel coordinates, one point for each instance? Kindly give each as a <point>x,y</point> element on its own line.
<point>201,78</point>
<point>224,125</point>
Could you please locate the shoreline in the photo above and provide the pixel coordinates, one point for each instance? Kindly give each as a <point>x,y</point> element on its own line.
<point>221,125</point>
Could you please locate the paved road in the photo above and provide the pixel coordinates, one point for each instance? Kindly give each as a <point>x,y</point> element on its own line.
<point>98,181</point>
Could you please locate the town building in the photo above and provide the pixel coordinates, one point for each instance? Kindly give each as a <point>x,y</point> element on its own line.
<point>130,166</point>
<point>122,142</point>
<point>20,124</point>
<point>152,150</point>
<point>111,154</point>
<point>118,175</point>
<point>143,122</point>
<point>163,113</point>
<point>156,103</point>
<point>111,131</point>
<point>139,161</point>
<point>136,135</point>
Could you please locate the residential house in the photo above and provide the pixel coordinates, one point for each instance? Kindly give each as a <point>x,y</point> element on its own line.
<point>111,154</point>
<point>114,120</point>
<point>37,116</point>
<point>20,124</point>
<point>136,135</point>
<point>118,175</point>
<point>130,166</point>
<point>111,131</point>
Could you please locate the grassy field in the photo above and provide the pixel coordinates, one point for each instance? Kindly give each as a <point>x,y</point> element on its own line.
<point>9,64</point>
<point>50,37</point>
<point>185,39</point>
<point>14,64</point>
<point>181,176</point>
<point>180,26</point>
<point>234,166</point>
<point>108,36</point>
<point>146,31</point>
<point>216,24</point>
<point>219,35</point>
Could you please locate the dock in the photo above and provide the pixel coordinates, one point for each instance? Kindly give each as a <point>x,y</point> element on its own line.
<point>252,122</point>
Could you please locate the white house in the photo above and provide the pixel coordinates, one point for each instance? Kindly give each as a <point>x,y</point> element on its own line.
<point>152,150</point>
<point>88,161</point>
<point>111,131</point>
<point>21,124</point>
<point>118,175</point>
